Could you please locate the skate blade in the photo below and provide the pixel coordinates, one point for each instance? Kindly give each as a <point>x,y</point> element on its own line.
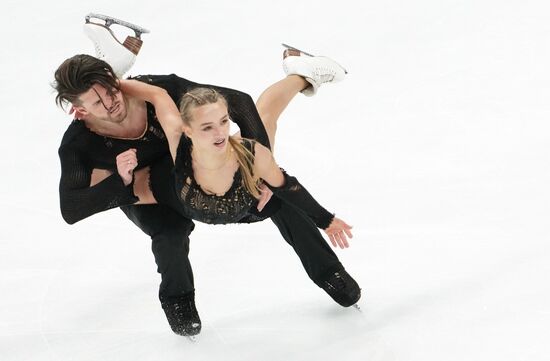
<point>308,54</point>
<point>109,20</point>
<point>293,48</point>
<point>356,306</point>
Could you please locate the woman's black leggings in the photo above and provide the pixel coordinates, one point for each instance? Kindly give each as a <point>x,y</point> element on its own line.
<point>301,233</point>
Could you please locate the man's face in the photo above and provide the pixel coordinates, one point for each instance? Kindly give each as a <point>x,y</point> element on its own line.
<point>97,105</point>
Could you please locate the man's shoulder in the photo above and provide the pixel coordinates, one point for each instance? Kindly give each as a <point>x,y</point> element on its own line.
<point>76,132</point>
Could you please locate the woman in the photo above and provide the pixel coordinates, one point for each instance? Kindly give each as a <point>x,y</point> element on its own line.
<point>217,178</point>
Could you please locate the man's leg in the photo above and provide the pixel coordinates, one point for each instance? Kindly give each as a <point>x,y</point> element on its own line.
<point>320,262</point>
<point>169,232</point>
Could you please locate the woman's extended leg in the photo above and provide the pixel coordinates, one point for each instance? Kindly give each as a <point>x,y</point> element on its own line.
<point>318,259</point>
<point>304,74</point>
<point>274,100</point>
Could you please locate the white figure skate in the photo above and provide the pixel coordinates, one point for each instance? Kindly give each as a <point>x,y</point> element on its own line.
<point>316,70</point>
<point>121,56</point>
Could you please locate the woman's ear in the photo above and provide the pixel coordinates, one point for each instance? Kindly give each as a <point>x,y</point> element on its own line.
<point>187,131</point>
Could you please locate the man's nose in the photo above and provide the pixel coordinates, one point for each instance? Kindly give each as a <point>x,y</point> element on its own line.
<point>109,103</point>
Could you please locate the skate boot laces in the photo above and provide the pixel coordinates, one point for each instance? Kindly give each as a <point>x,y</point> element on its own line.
<point>336,282</point>
<point>342,288</point>
<point>324,74</point>
<point>183,316</point>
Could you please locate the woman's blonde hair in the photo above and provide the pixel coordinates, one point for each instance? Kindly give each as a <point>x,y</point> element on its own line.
<point>202,96</point>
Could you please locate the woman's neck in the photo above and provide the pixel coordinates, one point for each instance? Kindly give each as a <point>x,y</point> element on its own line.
<point>211,160</point>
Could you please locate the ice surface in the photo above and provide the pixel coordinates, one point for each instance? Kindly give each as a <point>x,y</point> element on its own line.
<point>436,148</point>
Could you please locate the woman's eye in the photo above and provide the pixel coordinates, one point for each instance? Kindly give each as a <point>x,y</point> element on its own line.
<point>206,129</point>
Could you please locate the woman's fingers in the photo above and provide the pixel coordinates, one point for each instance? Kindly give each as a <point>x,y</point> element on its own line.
<point>265,196</point>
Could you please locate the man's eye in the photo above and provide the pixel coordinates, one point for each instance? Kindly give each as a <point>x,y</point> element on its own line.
<point>225,121</point>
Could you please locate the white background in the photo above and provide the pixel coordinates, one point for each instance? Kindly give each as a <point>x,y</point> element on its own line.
<point>435,148</point>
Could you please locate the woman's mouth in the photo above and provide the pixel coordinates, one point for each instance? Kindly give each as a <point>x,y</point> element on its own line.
<point>220,143</point>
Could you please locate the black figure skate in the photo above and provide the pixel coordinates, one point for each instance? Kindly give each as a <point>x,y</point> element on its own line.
<point>182,315</point>
<point>342,288</point>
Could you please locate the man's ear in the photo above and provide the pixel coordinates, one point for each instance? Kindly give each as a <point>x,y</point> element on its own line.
<point>79,112</point>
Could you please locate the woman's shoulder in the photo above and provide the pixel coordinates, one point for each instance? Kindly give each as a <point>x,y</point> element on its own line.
<point>249,144</point>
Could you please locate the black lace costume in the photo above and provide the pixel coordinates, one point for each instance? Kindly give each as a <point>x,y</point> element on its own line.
<point>230,207</point>
<point>237,205</point>
<point>292,209</point>
<point>82,150</point>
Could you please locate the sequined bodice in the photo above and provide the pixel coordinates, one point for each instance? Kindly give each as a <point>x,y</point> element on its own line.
<point>231,207</point>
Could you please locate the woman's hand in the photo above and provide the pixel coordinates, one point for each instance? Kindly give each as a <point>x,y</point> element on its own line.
<point>337,232</point>
<point>126,162</point>
<point>265,196</point>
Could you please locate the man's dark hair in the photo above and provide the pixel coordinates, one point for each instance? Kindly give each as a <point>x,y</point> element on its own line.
<point>76,76</point>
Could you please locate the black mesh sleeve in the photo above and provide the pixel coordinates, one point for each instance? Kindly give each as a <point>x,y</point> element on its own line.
<point>296,195</point>
<point>78,200</point>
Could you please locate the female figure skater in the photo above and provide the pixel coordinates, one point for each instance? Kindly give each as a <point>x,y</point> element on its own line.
<point>217,178</point>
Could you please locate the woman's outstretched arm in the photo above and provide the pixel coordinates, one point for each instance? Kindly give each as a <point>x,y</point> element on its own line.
<point>288,189</point>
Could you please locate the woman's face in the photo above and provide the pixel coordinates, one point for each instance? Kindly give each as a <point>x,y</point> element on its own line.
<point>209,127</point>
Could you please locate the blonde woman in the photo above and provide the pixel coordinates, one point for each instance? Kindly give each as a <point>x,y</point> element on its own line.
<point>217,178</point>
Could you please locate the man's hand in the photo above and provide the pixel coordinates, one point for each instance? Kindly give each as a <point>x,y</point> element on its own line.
<point>126,162</point>
<point>265,196</point>
<point>337,232</point>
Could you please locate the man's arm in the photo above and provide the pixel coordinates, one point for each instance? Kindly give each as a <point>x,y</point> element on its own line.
<point>243,112</point>
<point>78,199</point>
<point>242,109</point>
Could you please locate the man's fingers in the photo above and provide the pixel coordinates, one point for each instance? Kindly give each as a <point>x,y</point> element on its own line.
<point>126,152</point>
<point>126,157</point>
